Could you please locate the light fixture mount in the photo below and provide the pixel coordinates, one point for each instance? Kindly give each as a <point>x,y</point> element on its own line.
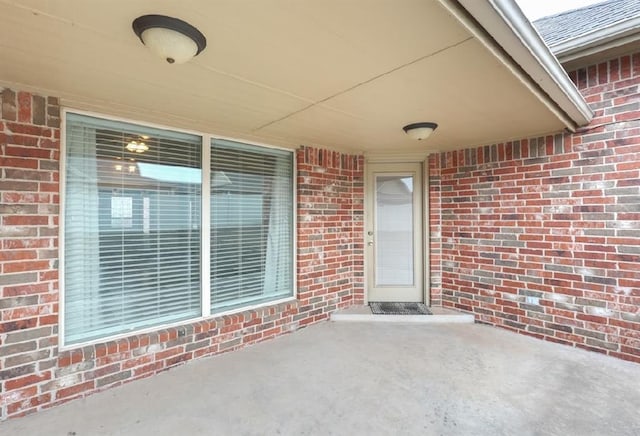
<point>174,40</point>
<point>420,131</point>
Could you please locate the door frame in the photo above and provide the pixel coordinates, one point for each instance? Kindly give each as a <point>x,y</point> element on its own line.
<point>409,158</point>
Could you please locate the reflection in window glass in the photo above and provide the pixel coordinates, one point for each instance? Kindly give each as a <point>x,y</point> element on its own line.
<point>132,228</point>
<point>251,224</point>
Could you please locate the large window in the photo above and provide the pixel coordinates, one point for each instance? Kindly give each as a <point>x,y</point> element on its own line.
<point>251,224</point>
<point>133,227</point>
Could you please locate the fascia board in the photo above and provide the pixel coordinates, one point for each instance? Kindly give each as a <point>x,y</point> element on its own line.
<point>513,32</point>
<point>617,34</point>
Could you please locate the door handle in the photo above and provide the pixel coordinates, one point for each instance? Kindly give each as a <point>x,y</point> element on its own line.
<point>370,243</point>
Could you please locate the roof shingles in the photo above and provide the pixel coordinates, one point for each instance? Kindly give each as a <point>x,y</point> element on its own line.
<point>564,26</point>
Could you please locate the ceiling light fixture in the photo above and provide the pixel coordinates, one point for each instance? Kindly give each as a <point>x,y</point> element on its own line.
<point>137,147</point>
<point>420,131</point>
<point>174,40</point>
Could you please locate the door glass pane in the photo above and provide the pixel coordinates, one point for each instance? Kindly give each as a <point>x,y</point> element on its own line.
<point>394,230</point>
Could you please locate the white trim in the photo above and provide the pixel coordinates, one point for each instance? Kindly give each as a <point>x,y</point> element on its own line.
<point>426,233</point>
<point>175,324</point>
<point>366,225</point>
<point>536,58</point>
<point>256,143</point>
<point>600,39</point>
<point>205,296</point>
<point>294,229</point>
<point>409,157</point>
<point>62,181</point>
<point>253,307</point>
<point>212,136</point>
<point>598,49</point>
<point>129,121</point>
<point>205,228</point>
<point>527,56</point>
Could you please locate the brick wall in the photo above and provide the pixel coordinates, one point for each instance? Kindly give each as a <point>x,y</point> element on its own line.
<point>330,228</point>
<point>542,235</point>
<point>29,155</point>
<point>35,374</point>
<point>435,232</point>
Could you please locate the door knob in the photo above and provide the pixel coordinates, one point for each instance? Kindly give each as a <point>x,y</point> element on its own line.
<point>370,243</point>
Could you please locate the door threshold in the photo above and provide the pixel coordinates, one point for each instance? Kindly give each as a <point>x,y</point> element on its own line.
<point>440,316</point>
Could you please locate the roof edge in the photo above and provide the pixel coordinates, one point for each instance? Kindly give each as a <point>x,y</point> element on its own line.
<point>513,32</point>
<point>621,32</point>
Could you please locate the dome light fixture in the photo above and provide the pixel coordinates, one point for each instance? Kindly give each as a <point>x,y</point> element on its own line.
<point>137,147</point>
<point>420,131</point>
<point>172,39</point>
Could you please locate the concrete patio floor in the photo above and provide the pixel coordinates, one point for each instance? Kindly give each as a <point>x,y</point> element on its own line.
<point>369,379</point>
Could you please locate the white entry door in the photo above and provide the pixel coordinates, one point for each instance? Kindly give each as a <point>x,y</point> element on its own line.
<point>393,235</point>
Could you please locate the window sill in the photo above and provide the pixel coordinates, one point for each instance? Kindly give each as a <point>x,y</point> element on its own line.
<point>69,348</point>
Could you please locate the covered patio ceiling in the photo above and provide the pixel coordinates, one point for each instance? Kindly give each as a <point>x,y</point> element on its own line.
<point>340,74</point>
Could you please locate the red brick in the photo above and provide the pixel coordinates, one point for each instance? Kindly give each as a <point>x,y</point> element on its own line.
<point>148,369</point>
<point>551,238</point>
<point>27,152</point>
<point>48,320</point>
<point>29,129</point>
<point>24,107</point>
<point>74,390</point>
<point>21,407</point>
<point>7,255</point>
<point>542,238</point>
<point>15,162</point>
<point>26,266</point>
<point>20,198</point>
<point>26,289</point>
<point>168,353</point>
<point>21,382</point>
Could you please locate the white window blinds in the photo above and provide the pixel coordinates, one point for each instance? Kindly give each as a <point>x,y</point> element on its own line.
<point>251,224</point>
<point>132,227</point>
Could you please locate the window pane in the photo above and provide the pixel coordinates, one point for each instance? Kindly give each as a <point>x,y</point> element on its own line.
<point>251,224</point>
<point>394,230</point>
<point>132,227</point>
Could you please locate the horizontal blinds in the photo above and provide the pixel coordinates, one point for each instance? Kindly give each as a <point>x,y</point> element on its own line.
<point>132,227</point>
<point>251,224</point>
<point>135,130</point>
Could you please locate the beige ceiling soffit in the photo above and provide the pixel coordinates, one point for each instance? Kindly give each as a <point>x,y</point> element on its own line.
<point>502,27</point>
<point>620,33</point>
<point>133,114</point>
<point>252,82</point>
<point>40,12</point>
<point>17,4</point>
<point>195,64</point>
<point>358,85</point>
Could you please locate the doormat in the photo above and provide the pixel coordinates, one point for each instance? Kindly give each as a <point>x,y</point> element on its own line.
<point>388,308</point>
